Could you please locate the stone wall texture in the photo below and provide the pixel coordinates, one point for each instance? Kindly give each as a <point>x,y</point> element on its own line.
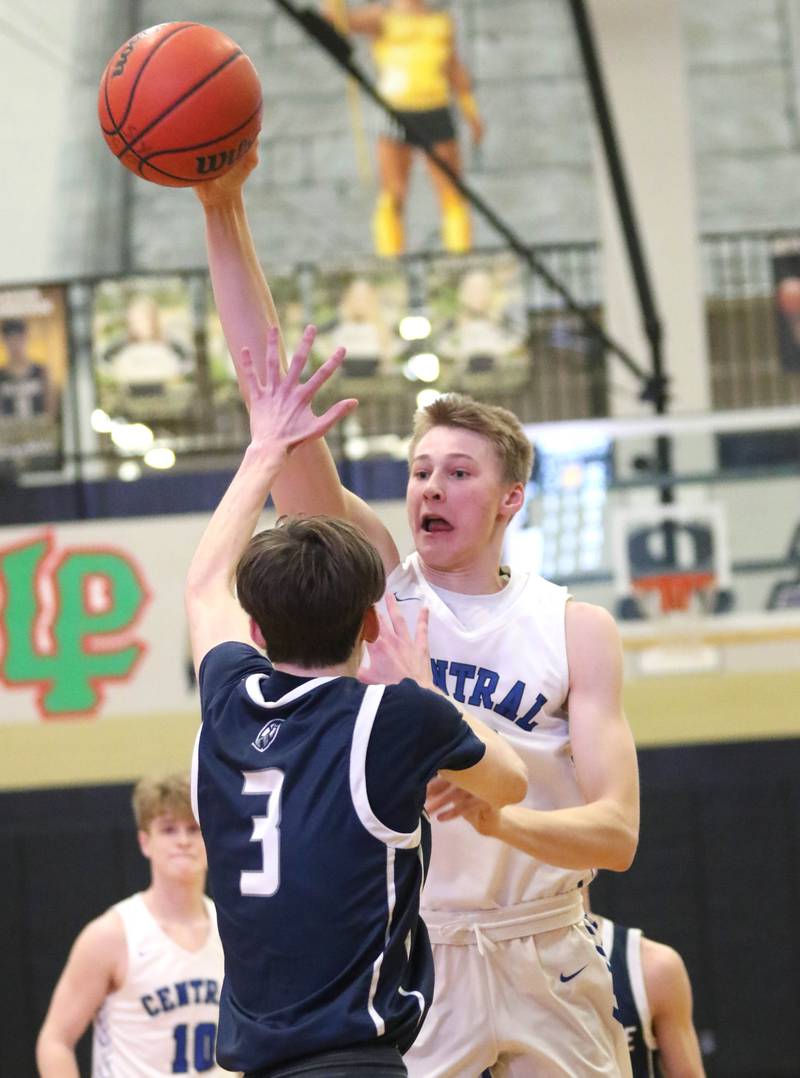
<point>306,200</point>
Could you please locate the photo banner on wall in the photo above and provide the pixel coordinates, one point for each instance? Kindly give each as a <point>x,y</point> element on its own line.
<point>33,369</point>
<point>786,279</point>
<point>145,359</point>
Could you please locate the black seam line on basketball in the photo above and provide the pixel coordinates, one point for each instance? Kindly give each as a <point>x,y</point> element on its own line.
<point>187,181</point>
<point>185,96</point>
<point>202,145</point>
<point>128,146</point>
<point>116,129</point>
<point>192,181</point>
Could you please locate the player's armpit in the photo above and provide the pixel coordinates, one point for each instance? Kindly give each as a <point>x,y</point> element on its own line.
<point>669,993</point>
<point>96,966</point>
<point>214,622</point>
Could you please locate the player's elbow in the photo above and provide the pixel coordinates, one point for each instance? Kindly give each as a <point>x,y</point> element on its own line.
<point>49,1050</point>
<point>622,849</point>
<point>511,785</point>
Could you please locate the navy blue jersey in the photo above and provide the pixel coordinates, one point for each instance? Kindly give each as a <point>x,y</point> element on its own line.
<point>310,795</point>
<point>624,949</point>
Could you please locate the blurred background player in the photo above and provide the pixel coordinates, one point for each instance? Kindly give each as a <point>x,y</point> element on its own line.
<point>309,786</point>
<point>26,390</point>
<point>419,73</point>
<point>654,1002</point>
<point>148,971</point>
<point>506,917</point>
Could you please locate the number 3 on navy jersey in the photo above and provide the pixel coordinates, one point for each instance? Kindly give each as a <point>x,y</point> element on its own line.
<point>266,830</point>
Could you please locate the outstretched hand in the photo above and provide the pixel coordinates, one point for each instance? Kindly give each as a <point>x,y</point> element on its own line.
<point>280,406</point>
<point>395,655</point>
<point>221,190</point>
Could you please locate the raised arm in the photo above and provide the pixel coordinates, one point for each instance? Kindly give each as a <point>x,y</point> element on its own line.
<point>364,19</point>
<point>95,967</point>
<point>669,993</point>
<point>603,832</point>
<point>309,482</point>
<point>280,420</point>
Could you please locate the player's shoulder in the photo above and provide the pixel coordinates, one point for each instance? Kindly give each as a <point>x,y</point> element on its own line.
<point>589,617</point>
<point>588,625</point>
<point>230,661</point>
<point>102,939</point>
<point>665,973</point>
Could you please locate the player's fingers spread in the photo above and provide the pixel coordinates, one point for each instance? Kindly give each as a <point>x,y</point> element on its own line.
<point>300,357</point>
<point>250,159</point>
<point>272,360</point>
<point>421,633</point>
<point>437,786</point>
<point>398,621</point>
<point>329,367</point>
<point>248,370</point>
<point>443,794</point>
<point>334,415</point>
<point>433,804</point>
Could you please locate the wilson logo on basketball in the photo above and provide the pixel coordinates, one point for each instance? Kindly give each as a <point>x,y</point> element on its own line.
<point>65,622</point>
<point>122,61</point>
<point>213,162</point>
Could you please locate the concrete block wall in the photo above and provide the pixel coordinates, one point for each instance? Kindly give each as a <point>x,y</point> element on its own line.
<point>743,67</point>
<point>307,202</point>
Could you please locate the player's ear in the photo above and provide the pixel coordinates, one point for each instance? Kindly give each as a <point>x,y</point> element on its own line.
<point>513,499</point>
<point>257,636</point>
<point>144,843</point>
<point>371,626</point>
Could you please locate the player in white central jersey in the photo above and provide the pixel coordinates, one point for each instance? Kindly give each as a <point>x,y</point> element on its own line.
<point>522,986</point>
<point>147,972</point>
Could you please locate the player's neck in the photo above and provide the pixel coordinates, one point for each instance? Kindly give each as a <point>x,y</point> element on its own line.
<point>345,669</point>
<point>175,901</point>
<point>476,579</point>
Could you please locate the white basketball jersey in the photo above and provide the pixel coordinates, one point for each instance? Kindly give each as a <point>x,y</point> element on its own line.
<point>509,668</point>
<point>163,1020</point>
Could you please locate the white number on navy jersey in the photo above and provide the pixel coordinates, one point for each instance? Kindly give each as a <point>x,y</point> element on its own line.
<point>266,830</point>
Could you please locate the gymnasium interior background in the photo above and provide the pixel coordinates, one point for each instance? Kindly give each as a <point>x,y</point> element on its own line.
<point>706,98</point>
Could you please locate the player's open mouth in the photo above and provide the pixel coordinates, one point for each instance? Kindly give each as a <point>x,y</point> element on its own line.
<point>435,524</point>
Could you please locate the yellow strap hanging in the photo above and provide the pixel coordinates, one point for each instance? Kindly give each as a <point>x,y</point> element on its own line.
<point>363,155</point>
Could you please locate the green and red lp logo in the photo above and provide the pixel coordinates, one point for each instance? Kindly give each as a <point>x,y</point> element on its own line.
<point>66,622</point>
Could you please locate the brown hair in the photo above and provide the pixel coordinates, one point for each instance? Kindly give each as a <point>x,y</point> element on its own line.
<point>161,796</point>
<point>307,583</point>
<point>498,425</point>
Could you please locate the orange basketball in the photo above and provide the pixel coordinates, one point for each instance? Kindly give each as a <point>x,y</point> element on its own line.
<point>179,103</point>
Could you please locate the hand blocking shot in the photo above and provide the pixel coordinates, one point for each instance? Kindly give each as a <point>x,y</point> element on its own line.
<point>309,785</point>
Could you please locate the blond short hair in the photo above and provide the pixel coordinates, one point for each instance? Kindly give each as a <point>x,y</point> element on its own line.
<point>161,796</point>
<point>498,425</point>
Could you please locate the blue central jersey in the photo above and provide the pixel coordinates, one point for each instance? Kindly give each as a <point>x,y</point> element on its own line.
<point>310,796</point>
